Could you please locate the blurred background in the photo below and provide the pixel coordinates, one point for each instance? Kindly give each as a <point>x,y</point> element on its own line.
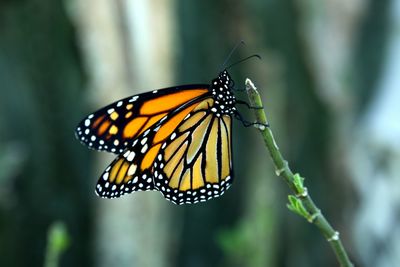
<point>330,82</point>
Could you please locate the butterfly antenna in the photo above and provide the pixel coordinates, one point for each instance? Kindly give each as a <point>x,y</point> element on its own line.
<point>242,60</point>
<point>231,53</point>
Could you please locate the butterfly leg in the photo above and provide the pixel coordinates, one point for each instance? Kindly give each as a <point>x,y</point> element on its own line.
<point>241,102</point>
<point>239,89</point>
<point>247,123</point>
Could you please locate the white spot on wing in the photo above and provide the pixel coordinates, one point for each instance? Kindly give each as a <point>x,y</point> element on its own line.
<point>131,156</point>
<point>133,99</point>
<point>144,148</point>
<point>146,132</point>
<point>132,170</point>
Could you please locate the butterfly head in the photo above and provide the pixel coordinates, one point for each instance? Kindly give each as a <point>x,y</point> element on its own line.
<point>224,99</point>
<point>225,77</point>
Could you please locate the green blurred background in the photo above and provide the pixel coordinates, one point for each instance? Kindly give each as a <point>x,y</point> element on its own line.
<point>330,82</point>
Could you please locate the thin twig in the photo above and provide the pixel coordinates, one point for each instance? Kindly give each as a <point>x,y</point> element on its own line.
<point>301,202</point>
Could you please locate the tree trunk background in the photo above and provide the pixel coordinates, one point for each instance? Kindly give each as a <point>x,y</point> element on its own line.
<point>120,58</point>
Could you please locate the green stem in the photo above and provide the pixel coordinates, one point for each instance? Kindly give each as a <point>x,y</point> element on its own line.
<point>314,215</point>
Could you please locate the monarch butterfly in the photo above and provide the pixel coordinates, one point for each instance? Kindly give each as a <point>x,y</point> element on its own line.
<point>176,140</point>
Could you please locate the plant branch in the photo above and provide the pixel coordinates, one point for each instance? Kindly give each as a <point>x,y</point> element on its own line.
<point>301,202</point>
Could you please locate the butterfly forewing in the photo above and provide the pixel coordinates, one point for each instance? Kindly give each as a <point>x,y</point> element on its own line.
<point>115,127</point>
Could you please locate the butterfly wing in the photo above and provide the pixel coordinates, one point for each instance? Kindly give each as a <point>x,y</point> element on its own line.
<point>124,175</point>
<point>133,169</point>
<point>115,127</point>
<point>194,163</point>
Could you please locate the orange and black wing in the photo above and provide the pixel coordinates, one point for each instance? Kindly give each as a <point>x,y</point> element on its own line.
<point>194,163</point>
<point>133,170</point>
<point>115,127</point>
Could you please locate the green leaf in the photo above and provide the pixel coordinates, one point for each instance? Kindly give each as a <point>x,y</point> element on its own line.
<point>295,205</point>
<point>298,182</point>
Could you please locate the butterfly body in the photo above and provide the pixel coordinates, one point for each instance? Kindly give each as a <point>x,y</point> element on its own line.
<point>175,140</point>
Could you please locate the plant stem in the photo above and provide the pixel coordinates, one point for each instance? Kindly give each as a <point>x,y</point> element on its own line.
<point>306,206</point>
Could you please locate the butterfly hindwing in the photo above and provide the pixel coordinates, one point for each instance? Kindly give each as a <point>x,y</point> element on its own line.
<point>115,127</point>
<point>194,163</point>
<point>123,176</point>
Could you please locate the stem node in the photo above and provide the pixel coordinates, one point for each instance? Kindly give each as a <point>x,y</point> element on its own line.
<point>278,172</point>
<point>303,194</point>
<point>314,216</point>
<point>334,237</point>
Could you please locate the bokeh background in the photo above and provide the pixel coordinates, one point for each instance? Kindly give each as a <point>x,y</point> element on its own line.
<point>330,80</point>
